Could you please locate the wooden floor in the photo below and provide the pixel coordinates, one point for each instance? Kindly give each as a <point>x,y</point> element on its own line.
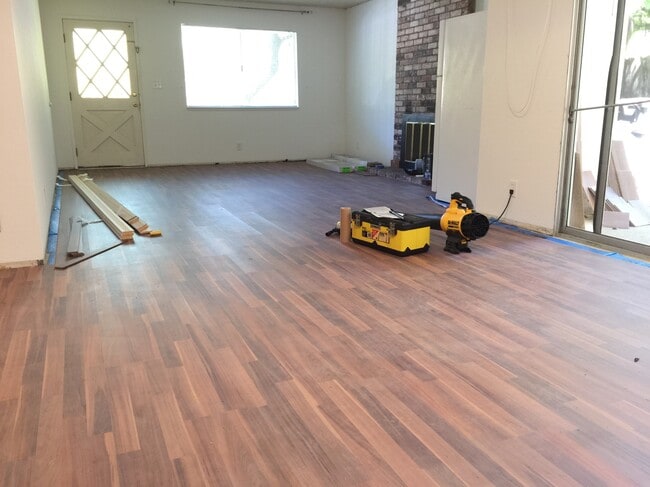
<point>246,348</point>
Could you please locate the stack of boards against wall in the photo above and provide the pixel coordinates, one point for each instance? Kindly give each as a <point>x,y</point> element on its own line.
<point>118,226</point>
<point>117,218</point>
<point>623,207</point>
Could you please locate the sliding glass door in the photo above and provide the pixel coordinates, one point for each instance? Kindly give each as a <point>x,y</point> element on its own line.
<point>608,176</point>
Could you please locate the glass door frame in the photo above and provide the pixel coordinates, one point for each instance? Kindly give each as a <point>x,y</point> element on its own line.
<point>609,106</point>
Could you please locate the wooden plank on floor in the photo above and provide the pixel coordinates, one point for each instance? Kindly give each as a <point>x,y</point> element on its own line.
<point>96,239</point>
<point>616,219</point>
<point>111,202</point>
<point>637,219</point>
<point>85,256</point>
<point>627,182</point>
<point>74,239</point>
<point>114,222</point>
<point>122,211</point>
<point>624,175</point>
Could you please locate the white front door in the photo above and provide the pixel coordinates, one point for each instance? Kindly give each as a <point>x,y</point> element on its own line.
<point>104,93</point>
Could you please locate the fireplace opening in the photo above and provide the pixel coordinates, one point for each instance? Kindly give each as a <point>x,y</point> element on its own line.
<point>416,151</point>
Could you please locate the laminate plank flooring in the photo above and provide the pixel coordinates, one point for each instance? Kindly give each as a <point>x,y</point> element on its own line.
<point>246,348</point>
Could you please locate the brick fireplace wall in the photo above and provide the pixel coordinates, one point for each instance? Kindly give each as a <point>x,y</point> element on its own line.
<point>417,57</point>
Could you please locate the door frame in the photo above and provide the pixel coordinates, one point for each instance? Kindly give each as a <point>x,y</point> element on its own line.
<point>595,236</point>
<point>136,94</point>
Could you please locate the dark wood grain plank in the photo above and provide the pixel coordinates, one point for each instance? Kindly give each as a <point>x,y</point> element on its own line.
<point>386,447</point>
<point>14,365</point>
<point>124,425</point>
<point>436,444</point>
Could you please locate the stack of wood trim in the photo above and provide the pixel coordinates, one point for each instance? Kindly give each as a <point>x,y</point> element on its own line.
<point>118,226</point>
<point>622,205</point>
<point>637,217</point>
<point>124,213</point>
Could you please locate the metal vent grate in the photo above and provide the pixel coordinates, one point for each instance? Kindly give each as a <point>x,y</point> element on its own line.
<point>418,140</point>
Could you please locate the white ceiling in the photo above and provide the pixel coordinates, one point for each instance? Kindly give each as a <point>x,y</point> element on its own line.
<point>317,3</point>
<point>300,3</point>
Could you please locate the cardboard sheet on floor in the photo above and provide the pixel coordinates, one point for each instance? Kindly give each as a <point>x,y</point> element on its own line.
<point>96,237</point>
<point>331,165</point>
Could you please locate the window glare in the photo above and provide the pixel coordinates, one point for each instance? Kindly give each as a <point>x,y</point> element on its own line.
<point>239,68</point>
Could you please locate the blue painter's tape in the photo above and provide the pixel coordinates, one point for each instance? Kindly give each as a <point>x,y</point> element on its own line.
<point>568,243</point>
<point>606,253</point>
<point>53,232</point>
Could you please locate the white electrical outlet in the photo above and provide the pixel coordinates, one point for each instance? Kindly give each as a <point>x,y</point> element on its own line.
<point>239,146</point>
<point>513,187</point>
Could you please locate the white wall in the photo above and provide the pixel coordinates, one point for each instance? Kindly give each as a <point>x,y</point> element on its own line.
<point>527,66</point>
<point>27,160</point>
<point>175,135</point>
<point>370,87</point>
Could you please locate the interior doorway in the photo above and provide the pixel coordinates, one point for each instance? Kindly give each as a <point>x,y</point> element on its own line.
<point>608,192</point>
<point>104,93</point>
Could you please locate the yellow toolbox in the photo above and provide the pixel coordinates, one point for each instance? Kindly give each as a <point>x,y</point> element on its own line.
<point>402,235</point>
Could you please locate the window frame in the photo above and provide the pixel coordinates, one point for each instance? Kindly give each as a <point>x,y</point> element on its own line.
<point>194,105</point>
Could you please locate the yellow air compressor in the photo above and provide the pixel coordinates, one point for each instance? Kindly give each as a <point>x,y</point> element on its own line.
<point>461,224</point>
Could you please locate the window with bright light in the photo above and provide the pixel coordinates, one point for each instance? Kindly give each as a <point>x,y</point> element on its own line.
<point>236,68</point>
